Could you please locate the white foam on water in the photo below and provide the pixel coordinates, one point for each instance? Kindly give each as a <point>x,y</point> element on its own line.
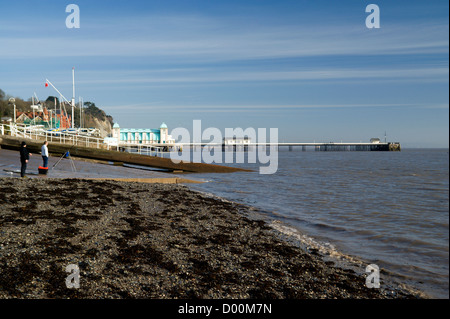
<point>324,248</point>
<point>341,260</point>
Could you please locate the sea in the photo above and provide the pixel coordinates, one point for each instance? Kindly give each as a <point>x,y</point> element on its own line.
<point>390,209</point>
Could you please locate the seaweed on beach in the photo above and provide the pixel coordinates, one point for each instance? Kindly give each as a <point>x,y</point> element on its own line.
<point>14,276</point>
<point>135,240</point>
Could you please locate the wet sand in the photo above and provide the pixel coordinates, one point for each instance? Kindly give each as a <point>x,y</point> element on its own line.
<point>136,240</point>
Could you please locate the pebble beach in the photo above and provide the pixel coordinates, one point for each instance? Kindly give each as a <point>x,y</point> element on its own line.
<point>159,241</point>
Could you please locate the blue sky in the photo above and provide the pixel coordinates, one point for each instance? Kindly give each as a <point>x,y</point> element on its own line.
<point>310,68</point>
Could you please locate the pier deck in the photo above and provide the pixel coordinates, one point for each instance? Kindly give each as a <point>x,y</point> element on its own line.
<point>95,148</point>
<point>331,146</point>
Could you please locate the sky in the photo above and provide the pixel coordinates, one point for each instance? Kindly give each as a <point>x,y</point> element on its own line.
<point>312,69</point>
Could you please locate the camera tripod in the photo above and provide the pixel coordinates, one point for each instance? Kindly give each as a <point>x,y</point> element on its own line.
<point>67,155</point>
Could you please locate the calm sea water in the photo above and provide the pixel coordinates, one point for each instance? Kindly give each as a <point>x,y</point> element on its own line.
<point>387,208</point>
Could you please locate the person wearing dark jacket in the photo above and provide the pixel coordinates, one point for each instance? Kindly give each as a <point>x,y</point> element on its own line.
<point>24,157</point>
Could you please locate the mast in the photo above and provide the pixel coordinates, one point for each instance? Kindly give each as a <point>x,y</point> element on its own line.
<point>60,113</point>
<point>32,106</point>
<point>73,95</point>
<point>80,102</point>
<point>55,111</point>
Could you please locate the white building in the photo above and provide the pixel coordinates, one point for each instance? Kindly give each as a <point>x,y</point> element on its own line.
<point>142,136</point>
<point>237,140</point>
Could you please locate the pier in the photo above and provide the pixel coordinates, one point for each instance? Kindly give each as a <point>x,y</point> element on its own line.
<point>149,154</point>
<point>320,147</point>
<point>156,148</point>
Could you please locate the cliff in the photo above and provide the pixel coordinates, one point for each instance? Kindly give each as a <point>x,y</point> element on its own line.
<point>103,125</point>
<point>93,116</point>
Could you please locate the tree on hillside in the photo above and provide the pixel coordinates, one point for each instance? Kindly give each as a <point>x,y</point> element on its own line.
<point>91,109</point>
<point>6,109</point>
<point>3,104</point>
<point>50,102</point>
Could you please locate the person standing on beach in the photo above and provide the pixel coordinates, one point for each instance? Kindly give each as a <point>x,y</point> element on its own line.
<point>44,153</point>
<point>24,158</point>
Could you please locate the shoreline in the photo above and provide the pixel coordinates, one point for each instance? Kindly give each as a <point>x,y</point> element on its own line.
<point>161,241</point>
<point>328,254</point>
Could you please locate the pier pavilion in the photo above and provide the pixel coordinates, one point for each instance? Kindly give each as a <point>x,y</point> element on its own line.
<point>142,135</point>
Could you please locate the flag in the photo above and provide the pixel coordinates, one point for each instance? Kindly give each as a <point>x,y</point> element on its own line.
<point>46,84</point>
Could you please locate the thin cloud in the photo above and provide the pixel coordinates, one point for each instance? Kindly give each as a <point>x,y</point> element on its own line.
<point>164,108</point>
<point>193,39</point>
<point>208,75</point>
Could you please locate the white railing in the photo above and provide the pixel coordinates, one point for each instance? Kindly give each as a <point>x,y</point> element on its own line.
<point>38,132</point>
<point>141,149</point>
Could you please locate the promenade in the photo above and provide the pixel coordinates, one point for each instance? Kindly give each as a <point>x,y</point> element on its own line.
<point>85,169</point>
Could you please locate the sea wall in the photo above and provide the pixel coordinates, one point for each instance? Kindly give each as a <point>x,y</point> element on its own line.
<point>34,146</point>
